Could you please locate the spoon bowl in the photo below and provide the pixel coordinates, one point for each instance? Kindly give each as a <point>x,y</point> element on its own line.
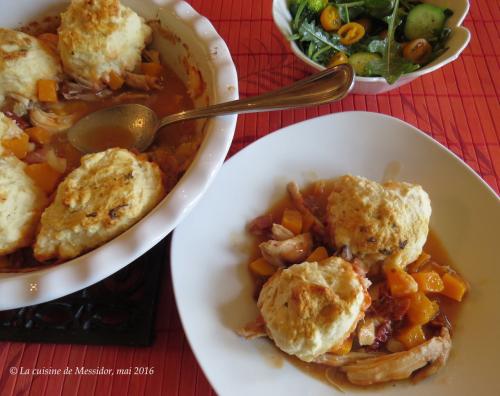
<point>134,126</point>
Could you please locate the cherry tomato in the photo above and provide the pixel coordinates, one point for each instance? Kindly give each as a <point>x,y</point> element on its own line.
<point>351,33</point>
<point>417,51</point>
<point>330,18</point>
<point>338,59</point>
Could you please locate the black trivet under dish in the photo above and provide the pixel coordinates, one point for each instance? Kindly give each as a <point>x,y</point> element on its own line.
<point>118,310</point>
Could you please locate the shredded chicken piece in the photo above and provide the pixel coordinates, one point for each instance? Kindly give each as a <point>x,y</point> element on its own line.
<point>142,81</point>
<point>401,365</point>
<point>298,201</point>
<point>332,360</point>
<point>51,121</point>
<point>291,251</point>
<point>346,253</point>
<point>366,331</point>
<point>77,91</point>
<point>280,233</point>
<point>254,329</point>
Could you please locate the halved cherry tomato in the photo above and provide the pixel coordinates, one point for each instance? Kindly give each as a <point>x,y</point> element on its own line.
<point>417,51</point>
<point>330,18</point>
<point>338,59</point>
<point>351,33</point>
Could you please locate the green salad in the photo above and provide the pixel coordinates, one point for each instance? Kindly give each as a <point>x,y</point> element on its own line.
<point>385,38</point>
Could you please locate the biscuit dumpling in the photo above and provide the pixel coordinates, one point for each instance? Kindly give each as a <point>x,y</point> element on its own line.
<point>23,61</point>
<point>21,204</point>
<point>310,308</point>
<point>386,222</point>
<point>97,37</point>
<point>97,201</point>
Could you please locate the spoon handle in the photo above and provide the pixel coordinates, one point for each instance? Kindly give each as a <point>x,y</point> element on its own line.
<point>320,88</point>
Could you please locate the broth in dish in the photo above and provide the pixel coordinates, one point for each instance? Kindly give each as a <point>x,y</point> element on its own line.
<point>350,283</point>
<point>95,55</point>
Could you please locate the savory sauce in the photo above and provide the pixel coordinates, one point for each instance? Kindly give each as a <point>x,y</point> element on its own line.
<point>105,137</point>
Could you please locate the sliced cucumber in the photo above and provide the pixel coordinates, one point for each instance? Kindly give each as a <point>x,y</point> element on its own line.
<point>424,21</point>
<point>360,60</point>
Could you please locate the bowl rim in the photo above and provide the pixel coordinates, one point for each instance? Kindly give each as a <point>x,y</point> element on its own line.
<point>24,289</point>
<point>420,72</point>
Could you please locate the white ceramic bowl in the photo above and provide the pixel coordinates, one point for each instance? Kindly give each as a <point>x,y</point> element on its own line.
<point>213,287</point>
<point>204,49</point>
<point>457,42</point>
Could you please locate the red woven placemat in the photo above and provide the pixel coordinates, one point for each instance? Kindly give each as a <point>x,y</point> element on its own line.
<point>457,105</point>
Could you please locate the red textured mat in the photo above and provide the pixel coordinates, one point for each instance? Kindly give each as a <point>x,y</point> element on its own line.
<point>457,105</point>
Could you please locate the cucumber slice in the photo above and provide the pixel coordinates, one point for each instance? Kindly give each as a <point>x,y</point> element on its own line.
<point>359,61</point>
<point>424,21</point>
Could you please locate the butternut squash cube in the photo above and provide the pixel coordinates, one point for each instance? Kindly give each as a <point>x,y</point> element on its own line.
<point>454,287</point>
<point>411,336</point>
<point>429,281</point>
<point>292,219</point>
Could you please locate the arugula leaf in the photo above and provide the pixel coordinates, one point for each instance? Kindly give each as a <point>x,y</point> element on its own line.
<point>349,9</point>
<point>392,65</point>
<point>439,44</point>
<point>314,34</point>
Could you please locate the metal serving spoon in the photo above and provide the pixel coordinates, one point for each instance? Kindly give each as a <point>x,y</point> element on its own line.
<point>135,126</point>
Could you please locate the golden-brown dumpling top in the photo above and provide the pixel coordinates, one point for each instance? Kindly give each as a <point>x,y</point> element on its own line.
<point>386,222</point>
<point>108,193</point>
<point>23,61</point>
<point>97,37</point>
<point>310,308</point>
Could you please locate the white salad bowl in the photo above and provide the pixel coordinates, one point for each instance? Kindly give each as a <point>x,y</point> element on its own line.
<point>199,48</point>
<point>456,43</point>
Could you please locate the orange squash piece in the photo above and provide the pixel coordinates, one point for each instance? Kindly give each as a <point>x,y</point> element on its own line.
<point>418,263</point>
<point>318,254</point>
<point>422,310</point>
<point>429,281</point>
<point>411,336</point>
<point>152,69</point>
<point>44,176</point>
<point>47,91</point>
<point>261,267</point>
<point>400,283</point>
<point>292,219</point>
<point>39,135</point>
<point>344,348</point>
<point>454,287</point>
<point>18,145</point>
<point>115,81</point>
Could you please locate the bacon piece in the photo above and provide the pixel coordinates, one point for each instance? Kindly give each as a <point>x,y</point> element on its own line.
<point>261,226</point>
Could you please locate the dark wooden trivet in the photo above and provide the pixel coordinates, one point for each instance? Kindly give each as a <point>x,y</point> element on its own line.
<point>119,310</point>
